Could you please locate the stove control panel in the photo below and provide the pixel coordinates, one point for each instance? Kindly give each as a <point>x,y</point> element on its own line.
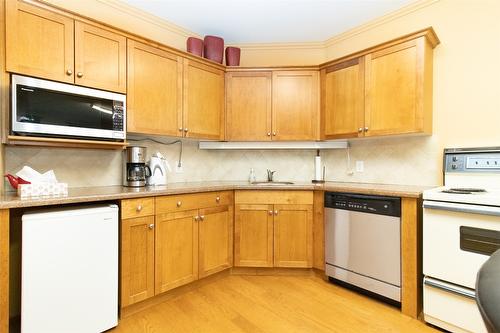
<point>472,161</point>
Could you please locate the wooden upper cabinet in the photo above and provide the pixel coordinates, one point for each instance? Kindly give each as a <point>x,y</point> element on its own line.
<point>39,42</point>
<point>295,105</point>
<point>343,99</point>
<point>100,58</point>
<point>137,259</point>
<point>154,98</point>
<point>293,236</point>
<point>248,106</point>
<point>384,90</point>
<point>215,240</point>
<point>253,235</point>
<point>176,250</point>
<point>396,79</point>
<point>203,112</point>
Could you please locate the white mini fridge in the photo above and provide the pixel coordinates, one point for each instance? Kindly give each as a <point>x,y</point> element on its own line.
<point>70,270</point>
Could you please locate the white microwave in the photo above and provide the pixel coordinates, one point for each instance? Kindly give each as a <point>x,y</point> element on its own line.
<point>47,108</point>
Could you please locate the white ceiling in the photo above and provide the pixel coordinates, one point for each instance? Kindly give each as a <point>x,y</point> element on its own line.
<point>269,21</point>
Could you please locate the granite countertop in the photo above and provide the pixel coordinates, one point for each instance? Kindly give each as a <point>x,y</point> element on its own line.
<point>104,193</point>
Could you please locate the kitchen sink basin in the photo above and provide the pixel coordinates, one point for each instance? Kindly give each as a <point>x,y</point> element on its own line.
<point>272,183</point>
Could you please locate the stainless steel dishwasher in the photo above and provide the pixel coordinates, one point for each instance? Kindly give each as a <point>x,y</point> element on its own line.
<point>363,242</point>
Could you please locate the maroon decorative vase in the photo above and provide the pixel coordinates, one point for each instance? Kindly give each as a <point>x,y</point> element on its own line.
<point>233,56</point>
<point>195,46</point>
<point>214,48</point>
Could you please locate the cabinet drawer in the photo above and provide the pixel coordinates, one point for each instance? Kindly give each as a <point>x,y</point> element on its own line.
<point>173,203</point>
<point>137,207</point>
<point>271,197</point>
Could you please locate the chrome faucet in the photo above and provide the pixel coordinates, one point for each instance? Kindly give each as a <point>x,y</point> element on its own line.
<point>270,175</point>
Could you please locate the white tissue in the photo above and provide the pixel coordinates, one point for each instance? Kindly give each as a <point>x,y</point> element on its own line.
<point>35,177</point>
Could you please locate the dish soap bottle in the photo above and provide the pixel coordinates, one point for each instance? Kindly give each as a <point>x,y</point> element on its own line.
<point>251,176</point>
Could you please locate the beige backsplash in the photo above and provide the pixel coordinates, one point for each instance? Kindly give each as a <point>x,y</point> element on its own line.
<point>403,160</point>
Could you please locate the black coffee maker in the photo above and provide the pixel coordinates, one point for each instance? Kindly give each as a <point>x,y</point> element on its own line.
<point>135,170</point>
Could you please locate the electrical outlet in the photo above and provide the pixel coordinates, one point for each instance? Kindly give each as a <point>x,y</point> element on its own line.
<point>179,169</point>
<point>360,166</point>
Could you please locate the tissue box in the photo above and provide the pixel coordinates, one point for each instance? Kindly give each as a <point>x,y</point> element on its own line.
<point>42,189</point>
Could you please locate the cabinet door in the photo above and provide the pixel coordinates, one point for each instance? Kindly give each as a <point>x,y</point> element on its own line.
<point>295,104</point>
<point>343,99</point>
<point>100,58</point>
<point>253,235</point>
<point>137,259</point>
<point>215,240</point>
<point>38,42</point>
<point>203,101</point>
<point>154,99</point>
<point>393,90</point>
<point>176,250</point>
<point>293,235</point>
<point>248,106</point>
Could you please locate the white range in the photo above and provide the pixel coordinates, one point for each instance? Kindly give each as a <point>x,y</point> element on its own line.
<point>461,228</point>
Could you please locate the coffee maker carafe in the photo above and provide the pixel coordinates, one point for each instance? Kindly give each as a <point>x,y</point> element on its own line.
<point>135,170</point>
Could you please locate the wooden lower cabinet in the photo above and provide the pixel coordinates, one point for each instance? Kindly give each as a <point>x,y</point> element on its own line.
<point>184,238</point>
<point>215,240</point>
<point>137,259</point>
<point>272,232</point>
<point>253,235</point>
<point>176,250</point>
<point>293,241</point>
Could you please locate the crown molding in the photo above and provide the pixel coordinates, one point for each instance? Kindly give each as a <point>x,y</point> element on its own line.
<point>152,19</point>
<point>406,10</point>
<point>280,46</point>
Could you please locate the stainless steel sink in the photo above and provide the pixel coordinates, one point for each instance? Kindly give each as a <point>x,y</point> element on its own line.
<point>272,183</point>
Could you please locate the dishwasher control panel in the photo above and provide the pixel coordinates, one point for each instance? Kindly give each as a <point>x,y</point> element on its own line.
<point>373,204</point>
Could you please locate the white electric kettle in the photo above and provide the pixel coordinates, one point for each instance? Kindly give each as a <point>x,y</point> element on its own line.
<point>159,166</point>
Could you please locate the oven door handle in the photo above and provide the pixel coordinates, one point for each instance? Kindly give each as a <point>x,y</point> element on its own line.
<point>462,208</point>
<point>454,289</point>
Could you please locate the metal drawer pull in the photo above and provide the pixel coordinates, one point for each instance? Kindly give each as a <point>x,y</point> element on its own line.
<point>275,212</point>
<point>462,208</point>
<point>270,212</point>
<point>79,74</point>
<point>196,218</point>
<point>69,72</point>
<point>202,217</point>
<point>151,226</point>
<point>217,199</point>
<point>450,288</point>
<point>179,203</point>
<point>139,208</point>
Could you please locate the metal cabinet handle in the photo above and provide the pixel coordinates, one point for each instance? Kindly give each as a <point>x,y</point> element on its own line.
<point>270,212</point>
<point>139,208</point>
<point>180,129</point>
<point>217,199</point>
<point>151,226</point>
<point>360,129</point>
<point>196,218</point>
<point>274,133</point>
<point>69,72</point>
<point>202,217</point>
<point>179,203</point>
<point>275,212</point>
<point>79,74</point>
<point>186,130</point>
<point>268,133</point>
<point>366,129</point>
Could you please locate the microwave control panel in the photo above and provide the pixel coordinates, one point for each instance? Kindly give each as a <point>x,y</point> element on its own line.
<point>118,116</point>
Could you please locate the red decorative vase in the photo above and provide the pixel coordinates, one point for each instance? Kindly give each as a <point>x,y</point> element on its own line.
<point>233,56</point>
<point>195,46</point>
<point>213,48</point>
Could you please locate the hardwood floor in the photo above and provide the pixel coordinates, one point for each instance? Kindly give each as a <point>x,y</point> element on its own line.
<point>238,303</point>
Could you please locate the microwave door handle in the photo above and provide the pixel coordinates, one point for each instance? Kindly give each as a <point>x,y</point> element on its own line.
<point>462,208</point>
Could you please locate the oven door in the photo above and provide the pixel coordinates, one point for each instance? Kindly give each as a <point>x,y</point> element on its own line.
<point>458,239</point>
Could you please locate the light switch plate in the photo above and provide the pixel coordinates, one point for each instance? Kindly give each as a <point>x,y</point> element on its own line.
<point>360,166</point>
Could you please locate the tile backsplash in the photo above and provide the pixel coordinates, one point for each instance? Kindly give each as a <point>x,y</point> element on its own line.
<point>410,160</point>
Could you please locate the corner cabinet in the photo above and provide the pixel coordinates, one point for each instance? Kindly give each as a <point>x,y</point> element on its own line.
<point>273,229</point>
<point>54,46</point>
<point>281,105</point>
<point>385,90</point>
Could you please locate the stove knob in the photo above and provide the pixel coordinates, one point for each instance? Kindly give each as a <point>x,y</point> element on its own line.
<point>454,159</point>
<point>453,166</point>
